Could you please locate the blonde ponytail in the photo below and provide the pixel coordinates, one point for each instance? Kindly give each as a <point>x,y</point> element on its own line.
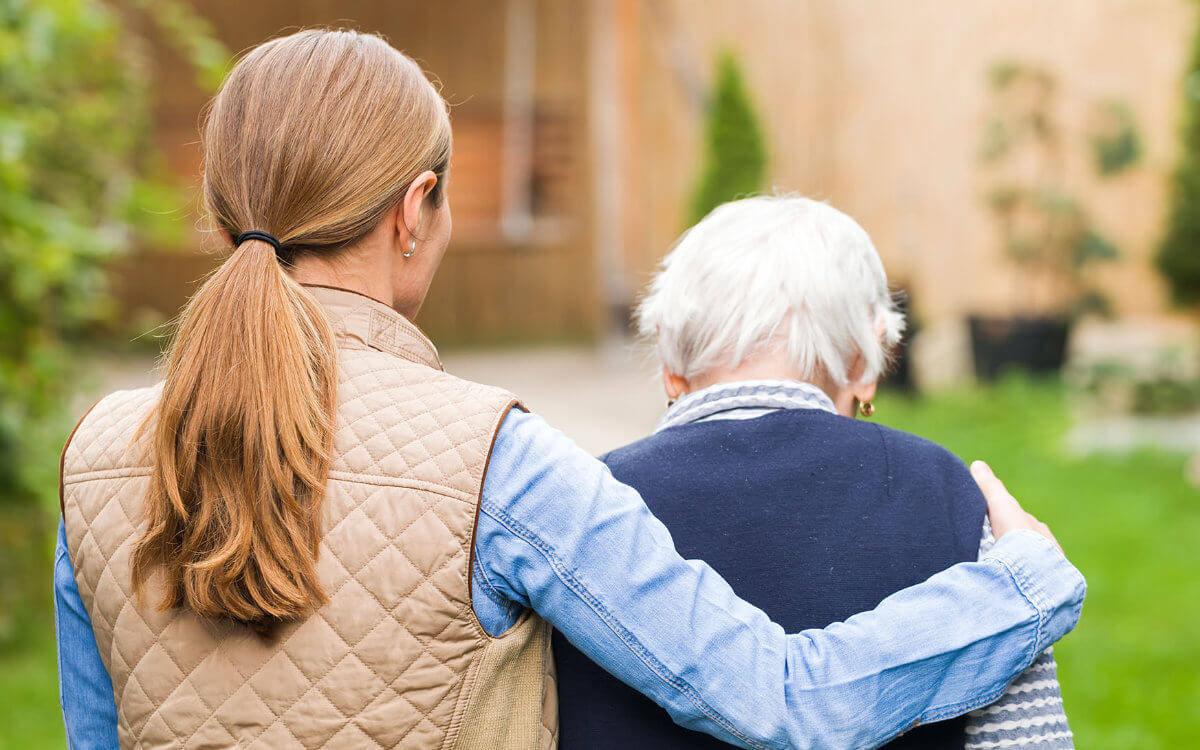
<point>313,138</point>
<point>242,447</point>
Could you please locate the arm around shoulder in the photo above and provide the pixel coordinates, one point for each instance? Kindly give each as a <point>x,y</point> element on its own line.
<point>559,535</point>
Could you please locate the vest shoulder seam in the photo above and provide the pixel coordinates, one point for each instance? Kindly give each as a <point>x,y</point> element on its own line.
<point>383,480</point>
<point>62,460</point>
<point>99,474</point>
<point>338,476</point>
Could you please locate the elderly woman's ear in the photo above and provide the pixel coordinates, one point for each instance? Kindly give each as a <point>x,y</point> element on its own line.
<point>864,394</point>
<point>853,397</point>
<point>674,385</point>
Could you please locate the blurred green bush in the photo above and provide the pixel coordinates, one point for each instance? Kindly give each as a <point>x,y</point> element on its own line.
<point>80,183</point>
<point>735,157</point>
<point>1179,253</point>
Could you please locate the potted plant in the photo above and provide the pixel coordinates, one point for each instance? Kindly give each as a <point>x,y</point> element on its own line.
<point>1043,229</point>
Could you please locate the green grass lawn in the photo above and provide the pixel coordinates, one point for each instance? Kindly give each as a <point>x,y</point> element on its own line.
<point>29,715</point>
<point>1130,672</point>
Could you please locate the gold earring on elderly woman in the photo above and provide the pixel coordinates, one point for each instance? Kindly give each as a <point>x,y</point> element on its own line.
<point>866,408</point>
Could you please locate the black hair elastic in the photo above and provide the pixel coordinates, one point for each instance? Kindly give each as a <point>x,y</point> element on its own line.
<point>254,234</point>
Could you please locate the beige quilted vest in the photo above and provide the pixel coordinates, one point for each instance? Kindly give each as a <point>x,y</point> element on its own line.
<point>397,658</point>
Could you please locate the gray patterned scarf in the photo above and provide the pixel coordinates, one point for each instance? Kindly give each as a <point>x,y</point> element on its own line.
<point>744,399</point>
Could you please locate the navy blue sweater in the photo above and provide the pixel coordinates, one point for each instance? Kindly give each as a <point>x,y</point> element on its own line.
<point>811,516</point>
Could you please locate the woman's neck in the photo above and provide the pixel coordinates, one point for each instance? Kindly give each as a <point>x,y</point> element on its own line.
<point>356,269</point>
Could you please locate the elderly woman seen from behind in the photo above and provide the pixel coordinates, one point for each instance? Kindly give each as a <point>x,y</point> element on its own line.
<point>774,323</point>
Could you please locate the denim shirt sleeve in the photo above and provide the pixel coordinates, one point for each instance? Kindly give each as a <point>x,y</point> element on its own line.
<point>85,690</point>
<point>1030,714</point>
<point>559,535</point>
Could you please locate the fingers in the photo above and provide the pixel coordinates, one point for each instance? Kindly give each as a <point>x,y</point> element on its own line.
<point>1004,512</point>
<point>1044,530</point>
<point>1003,508</point>
<point>991,485</point>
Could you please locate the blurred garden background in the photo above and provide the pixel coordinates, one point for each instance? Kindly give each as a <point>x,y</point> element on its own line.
<point>1029,171</point>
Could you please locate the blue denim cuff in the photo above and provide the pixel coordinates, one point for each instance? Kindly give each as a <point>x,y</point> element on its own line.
<point>1051,584</point>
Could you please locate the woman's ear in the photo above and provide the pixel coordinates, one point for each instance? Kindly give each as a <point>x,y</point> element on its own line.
<point>865,392</point>
<point>862,392</point>
<point>674,385</point>
<point>410,216</point>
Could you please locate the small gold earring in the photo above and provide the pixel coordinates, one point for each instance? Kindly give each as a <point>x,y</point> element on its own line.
<point>867,409</point>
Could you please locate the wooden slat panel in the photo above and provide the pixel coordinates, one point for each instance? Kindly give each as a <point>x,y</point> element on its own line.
<point>487,289</point>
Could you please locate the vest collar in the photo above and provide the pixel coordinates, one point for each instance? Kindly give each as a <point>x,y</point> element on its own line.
<point>358,318</point>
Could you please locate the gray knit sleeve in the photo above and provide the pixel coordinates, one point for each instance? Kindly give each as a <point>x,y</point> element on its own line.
<point>1030,714</point>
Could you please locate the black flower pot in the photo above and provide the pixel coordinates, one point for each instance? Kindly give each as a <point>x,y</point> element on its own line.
<point>1037,345</point>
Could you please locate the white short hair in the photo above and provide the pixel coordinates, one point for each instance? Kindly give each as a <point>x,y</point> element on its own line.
<point>768,272</point>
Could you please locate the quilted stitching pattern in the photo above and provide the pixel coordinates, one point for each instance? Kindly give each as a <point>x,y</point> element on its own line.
<point>384,663</point>
<point>548,736</point>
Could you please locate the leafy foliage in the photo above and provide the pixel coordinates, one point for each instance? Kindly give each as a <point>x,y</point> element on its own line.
<point>735,158</point>
<point>1116,144</point>
<point>1164,385</point>
<point>79,184</point>
<point>1179,253</point>
<point>1043,228</point>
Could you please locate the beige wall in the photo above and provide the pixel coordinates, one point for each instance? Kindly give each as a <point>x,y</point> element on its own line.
<point>875,105</point>
<point>492,287</point>
<point>878,107</point>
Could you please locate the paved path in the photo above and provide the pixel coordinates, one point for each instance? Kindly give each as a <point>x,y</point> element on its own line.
<point>603,397</point>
